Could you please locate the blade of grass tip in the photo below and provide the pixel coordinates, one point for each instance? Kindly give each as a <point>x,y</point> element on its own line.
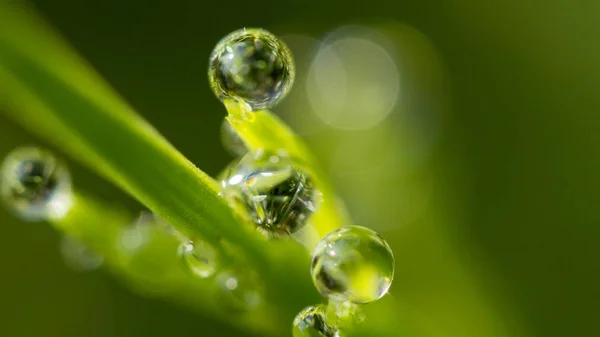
<point>97,128</point>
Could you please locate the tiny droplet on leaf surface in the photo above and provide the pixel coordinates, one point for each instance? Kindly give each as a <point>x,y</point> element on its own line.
<point>78,256</point>
<point>239,290</point>
<point>199,258</point>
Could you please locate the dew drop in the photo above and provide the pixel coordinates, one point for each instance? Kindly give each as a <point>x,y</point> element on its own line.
<point>252,66</point>
<point>145,228</point>
<point>276,196</point>
<point>78,256</point>
<point>198,257</point>
<point>312,322</point>
<point>133,239</point>
<point>34,185</point>
<point>240,291</point>
<point>231,140</point>
<point>353,264</point>
<point>147,219</point>
<point>344,314</point>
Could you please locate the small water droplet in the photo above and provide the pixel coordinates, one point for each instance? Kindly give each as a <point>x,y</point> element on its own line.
<point>198,257</point>
<point>343,315</point>
<point>133,239</point>
<point>78,256</point>
<point>239,290</point>
<point>354,264</point>
<point>148,219</point>
<point>231,140</point>
<point>276,196</point>
<point>252,66</point>
<point>35,185</point>
<point>145,228</point>
<point>312,322</point>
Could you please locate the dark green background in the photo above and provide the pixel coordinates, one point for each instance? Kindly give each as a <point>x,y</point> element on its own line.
<point>522,131</point>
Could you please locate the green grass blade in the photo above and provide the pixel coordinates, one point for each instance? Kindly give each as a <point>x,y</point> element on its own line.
<point>153,268</point>
<point>56,95</point>
<point>50,94</point>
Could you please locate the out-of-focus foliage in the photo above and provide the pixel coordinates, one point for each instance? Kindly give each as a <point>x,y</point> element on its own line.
<point>504,241</point>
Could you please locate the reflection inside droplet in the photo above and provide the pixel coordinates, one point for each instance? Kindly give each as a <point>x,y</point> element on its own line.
<point>360,270</point>
<point>198,257</point>
<point>239,290</point>
<point>35,185</point>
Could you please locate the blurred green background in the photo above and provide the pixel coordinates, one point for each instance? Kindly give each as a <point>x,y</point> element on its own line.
<point>484,178</point>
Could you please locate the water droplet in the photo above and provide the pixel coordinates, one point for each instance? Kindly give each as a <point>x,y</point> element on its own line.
<point>35,185</point>
<point>79,257</point>
<point>133,239</point>
<point>231,140</point>
<point>148,219</point>
<point>354,264</point>
<point>145,228</point>
<point>198,257</point>
<point>276,196</point>
<point>343,315</point>
<point>312,322</point>
<point>252,66</point>
<point>239,290</point>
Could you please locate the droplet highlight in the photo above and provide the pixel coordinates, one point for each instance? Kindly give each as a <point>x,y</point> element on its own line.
<point>35,185</point>
<point>270,192</point>
<point>199,258</point>
<point>252,66</point>
<point>353,264</point>
<point>240,291</point>
<point>312,322</point>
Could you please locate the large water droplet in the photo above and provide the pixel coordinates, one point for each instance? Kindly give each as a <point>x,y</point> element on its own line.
<point>231,140</point>
<point>239,290</point>
<point>35,185</point>
<point>354,264</point>
<point>312,322</point>
<point>198,257</point>
<point>78,256</point>
<point>252,66</point>
<point>276,196</point>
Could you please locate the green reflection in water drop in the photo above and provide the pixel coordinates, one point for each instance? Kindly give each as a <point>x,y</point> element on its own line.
<point>35,185</point>
<point>252,66</point>
<point>354,264</point>
<point>312,322</point>
<point>199,258</point>
<point>271,192</point>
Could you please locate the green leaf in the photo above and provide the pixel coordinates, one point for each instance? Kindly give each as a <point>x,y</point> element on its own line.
<point>58,96</point>
<point>52,92</point>
<point>154,268</point>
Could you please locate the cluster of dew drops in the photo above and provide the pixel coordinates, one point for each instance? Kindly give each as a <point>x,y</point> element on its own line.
<point>350,266</point>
